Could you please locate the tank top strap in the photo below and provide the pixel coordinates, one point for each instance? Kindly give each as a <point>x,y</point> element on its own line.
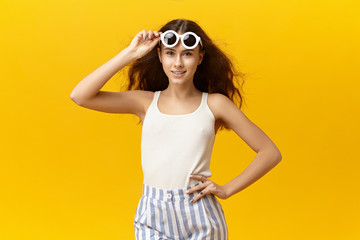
<point>155,98</point>
<point>204,99</point>
<point>156,95</point>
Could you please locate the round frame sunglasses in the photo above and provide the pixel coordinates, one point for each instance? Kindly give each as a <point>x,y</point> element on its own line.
<point>189,39</point>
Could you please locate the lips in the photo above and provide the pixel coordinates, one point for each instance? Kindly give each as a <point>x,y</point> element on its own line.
<point>178,73</point>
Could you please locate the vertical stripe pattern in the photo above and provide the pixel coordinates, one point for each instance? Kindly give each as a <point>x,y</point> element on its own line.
<point>170,214</point>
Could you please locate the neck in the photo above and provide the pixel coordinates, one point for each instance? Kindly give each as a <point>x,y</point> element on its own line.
<point>181,91</point>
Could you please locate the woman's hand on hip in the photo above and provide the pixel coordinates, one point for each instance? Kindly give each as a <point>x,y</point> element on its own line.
<point>207,186</point>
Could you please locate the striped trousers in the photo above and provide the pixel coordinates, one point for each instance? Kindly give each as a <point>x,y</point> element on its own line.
<point>170,214</point>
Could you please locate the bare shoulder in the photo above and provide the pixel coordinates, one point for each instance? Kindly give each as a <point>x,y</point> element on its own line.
<point>143,95</point>
<point>145,98</point>
<point>220,104</point>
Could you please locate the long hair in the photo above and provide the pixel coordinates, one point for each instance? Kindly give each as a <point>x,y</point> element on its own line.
<point>215,74</point>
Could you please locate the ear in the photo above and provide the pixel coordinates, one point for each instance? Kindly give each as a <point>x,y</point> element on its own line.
<point>201,55</point>
<point>159,53</point>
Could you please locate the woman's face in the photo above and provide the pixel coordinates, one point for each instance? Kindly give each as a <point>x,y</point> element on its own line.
<point>179,63</point>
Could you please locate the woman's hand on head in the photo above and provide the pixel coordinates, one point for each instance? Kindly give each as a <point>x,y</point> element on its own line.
<point>144,42</point>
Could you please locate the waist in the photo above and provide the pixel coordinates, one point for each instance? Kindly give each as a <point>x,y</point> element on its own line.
<point>166,194</point>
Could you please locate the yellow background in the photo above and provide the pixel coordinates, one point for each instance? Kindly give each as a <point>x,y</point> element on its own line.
<point>72,173</point>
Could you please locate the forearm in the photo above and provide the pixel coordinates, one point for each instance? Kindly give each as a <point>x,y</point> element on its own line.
<point>92,83</point>
<point>263,162</point>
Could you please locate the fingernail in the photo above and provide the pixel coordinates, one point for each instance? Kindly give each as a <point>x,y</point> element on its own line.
<point>144,37</point>
<point>187,191</point>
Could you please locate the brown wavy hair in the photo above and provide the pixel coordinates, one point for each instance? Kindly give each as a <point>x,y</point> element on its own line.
<point>215,74</point>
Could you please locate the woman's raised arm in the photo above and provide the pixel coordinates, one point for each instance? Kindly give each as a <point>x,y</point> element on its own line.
<point>87,92</point>
<point>88,87</point>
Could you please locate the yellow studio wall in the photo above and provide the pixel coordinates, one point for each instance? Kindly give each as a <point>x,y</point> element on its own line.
<point>72,173</point>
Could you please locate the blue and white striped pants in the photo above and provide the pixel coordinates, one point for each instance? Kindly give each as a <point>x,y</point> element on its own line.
<point>170,214</point>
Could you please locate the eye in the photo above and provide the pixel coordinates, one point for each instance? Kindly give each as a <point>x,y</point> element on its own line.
<point>188,54</point>
<point>169,52</point>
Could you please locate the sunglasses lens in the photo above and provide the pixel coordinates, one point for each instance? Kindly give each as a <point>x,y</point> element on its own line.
<point>170,38</point>
<point>189,40</point>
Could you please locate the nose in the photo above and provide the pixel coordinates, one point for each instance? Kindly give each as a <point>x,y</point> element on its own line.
<point>179,61</point>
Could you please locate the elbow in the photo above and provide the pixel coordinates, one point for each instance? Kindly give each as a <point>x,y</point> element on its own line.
<point>72,95</point>
<point>274,154</point>
<point>74,98</point>
<point>278,156</point>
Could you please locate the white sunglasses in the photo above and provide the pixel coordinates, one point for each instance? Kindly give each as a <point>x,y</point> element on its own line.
<point>189,39</point>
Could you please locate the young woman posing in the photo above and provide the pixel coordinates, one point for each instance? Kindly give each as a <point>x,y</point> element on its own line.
<point>182,89</point>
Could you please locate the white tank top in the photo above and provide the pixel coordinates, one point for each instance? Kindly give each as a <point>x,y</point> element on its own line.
<point>175,146</point>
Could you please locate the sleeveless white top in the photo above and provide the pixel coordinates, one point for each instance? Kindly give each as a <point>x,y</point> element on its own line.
<point>175,146</point>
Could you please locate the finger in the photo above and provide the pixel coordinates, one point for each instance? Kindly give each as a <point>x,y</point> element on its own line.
<point>143,33</point>
<point>196,188</point>
<point>198,177</point>
<point>157,34</point>
<point>153,42</point>
<point>200,195</point>
<point>151,33</point>
<point>139,35</point>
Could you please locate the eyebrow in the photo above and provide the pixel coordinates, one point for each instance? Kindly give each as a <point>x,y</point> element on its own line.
<point>186,50</point>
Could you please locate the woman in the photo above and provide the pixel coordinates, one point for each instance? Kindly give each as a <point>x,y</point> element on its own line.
<point>182,89</point>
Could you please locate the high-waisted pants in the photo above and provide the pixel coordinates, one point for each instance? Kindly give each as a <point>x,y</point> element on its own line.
<point>170,214</point>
